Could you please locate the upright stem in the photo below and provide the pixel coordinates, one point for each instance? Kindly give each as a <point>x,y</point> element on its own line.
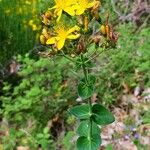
<point>85,71</point>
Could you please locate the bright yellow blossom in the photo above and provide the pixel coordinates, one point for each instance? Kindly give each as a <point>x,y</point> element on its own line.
<point>83,5</point>
<point>62,35</point>
<point>67,6</point>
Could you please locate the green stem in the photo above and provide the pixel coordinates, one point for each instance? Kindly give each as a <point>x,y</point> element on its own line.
<point>90,104</point>
<point>85,71</point>
<point>91,58</point>
<point>67,57</point>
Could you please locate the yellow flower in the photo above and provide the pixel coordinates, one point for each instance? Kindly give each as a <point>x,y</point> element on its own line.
<point>83,5</point>
<point>62,35</point>
<point>64,5</point>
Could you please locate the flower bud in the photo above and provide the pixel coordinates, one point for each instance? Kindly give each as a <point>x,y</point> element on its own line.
<point>42,39</point>
<point>86,22</point>
<point>103,29</point>
<point>45,33</point>
<point>107,31</point>
<point>48,14</point>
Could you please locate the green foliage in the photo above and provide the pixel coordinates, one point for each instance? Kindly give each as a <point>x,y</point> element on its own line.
<point>40,94</point>
<point>67,141</point>
<point>146,118</point>
<point>19,26</point>
<point>89,143</point>
<point>81,112</point>
<point>41,90</point>
<point>83,129</point>
<point>85,90</point>
<point>129,64</point>
<point>109,147</point>
<point>43,139</point>
<point>89,132</point>
<point>101,115</point>
<point>22,137</point>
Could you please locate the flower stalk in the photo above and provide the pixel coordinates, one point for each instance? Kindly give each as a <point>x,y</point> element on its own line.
<point>85,72</point>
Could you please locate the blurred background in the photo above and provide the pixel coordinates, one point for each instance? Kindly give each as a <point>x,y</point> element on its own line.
<point>35,92</point>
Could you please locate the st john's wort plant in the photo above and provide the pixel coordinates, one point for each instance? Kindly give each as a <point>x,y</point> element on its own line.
<point>73,29</point>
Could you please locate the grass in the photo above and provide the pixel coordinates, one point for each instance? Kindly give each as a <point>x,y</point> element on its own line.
<point>17,36</point>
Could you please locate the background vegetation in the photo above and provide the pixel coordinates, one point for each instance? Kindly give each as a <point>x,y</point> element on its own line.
<point>35,92</point>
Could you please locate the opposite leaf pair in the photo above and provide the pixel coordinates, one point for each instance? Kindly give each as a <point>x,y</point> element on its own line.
<point>88,130</point>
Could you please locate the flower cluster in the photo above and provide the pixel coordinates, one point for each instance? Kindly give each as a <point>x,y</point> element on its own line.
<point>62,35</point>
<point>60,27</point>
<point>73,7</point>
<point>75,20</point>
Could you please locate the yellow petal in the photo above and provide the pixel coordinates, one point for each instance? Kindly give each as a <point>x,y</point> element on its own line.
<point>52,40</point>
<point>73,37</point>
<point>75,28</point>
<point>58,2</point>
<point>70,2</point>
<point>60,44</point>
<point>91,4</point>
<point>70,10</point>
<point>80,10</point>
<point>59,13</point>
<point>52,7</point>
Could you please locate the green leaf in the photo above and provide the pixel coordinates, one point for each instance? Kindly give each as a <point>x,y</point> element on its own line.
<point>87,63</point>
<point>84,127</point>
<point>44,143</point>
<point>46,130</point>
<point>81,112</point>
<point>85,90</point>
<point>40,136</point>
<point>85,143</point>
<point>101,115</point>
